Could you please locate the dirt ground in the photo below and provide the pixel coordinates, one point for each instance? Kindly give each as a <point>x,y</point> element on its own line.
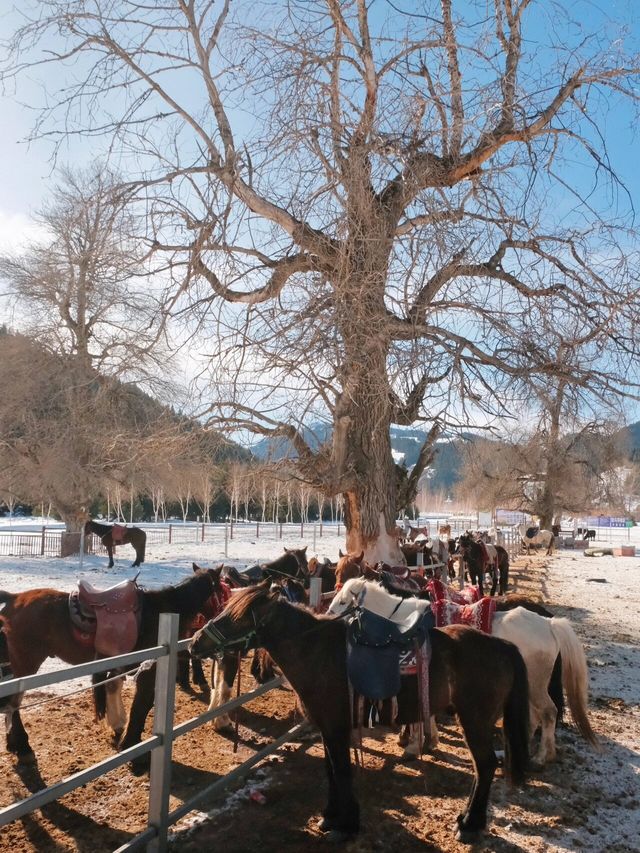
<point>405,807</point>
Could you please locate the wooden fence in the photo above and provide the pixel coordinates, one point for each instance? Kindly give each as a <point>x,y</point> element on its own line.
<point>47,542</point>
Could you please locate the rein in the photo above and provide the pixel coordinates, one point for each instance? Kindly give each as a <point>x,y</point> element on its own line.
<point>245,641</point>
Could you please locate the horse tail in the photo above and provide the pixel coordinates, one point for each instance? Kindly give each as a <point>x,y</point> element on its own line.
<point>99,695</point>
<point>575,678</point>
<point>515,720</point>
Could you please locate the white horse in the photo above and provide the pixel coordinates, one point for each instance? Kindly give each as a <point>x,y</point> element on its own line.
<point>539,641</point>
<point>542,537</point>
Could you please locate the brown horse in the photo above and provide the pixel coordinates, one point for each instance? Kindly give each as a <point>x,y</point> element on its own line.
<point>483,677</point>
<point>349,566</point>
<point>37,625</point>
<point>115,534</point>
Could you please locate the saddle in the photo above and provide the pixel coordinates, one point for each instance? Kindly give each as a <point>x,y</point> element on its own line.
<point>374,647</point>
<point>405,587</point>
<point>108,619</point>
<point>117,534</point>
<point>531,532</point>
<point>478,615</point>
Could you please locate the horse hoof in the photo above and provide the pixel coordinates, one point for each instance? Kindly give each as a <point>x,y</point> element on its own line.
<point>337,836</point>
<point>140,766</point>
<point>467,836</point>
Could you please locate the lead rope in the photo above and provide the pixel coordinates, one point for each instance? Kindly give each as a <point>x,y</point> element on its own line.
<point>236,736</point>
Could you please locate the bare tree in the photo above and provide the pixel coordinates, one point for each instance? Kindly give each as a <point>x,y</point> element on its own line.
<point>366,243</point>
<point>85,291</point>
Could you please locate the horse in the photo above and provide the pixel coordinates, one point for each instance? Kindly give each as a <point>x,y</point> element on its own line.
<point>444,530</point>
<point>477,560</point>
<point>415,533</point>
<point>292,564</point>
<point>115,534</point>
<point>225,669</point>
<point>538,537</point>
<point>37,624</point>
<point>482,677</point>
<point>539,641</point>
<point>349,566</point>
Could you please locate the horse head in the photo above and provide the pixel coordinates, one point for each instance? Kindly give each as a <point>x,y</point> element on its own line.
<point>349,566</point>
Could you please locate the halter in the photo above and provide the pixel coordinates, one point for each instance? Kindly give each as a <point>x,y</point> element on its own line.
<point>242,643</point>
<point>299,575</point>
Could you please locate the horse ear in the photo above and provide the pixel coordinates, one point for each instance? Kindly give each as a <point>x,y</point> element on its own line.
<point>196,567</point>
<point>216,573</point>
<point>340,554</point>
<point>304,550</point>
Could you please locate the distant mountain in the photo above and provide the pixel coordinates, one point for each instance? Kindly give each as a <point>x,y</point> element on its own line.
<point>405,443</point>
<point>629,438</point>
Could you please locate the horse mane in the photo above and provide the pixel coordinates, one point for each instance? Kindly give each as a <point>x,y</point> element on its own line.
<point>243,601</point>
<point>184,597</point>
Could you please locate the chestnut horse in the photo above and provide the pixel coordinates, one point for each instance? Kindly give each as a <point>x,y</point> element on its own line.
<point>36,625</point>
<point>114,534</point>
<point>484,678</point>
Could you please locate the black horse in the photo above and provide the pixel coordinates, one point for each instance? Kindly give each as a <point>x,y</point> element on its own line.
<point>115,534</point>
<point>482,677</point>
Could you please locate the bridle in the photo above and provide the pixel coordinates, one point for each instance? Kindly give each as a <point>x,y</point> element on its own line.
<point>243,643</point>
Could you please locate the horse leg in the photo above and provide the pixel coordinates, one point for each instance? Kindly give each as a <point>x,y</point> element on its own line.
<point>199,677</point>
<point>478,733</point>
<point>182,672</point>
<point>223,678</point>
<point>110,553</point>
<point>494,580</point>
<point>504,576</point>
<point>116,714</point>
<point>18,739</point>
<point>140,707</point>
<point>341,816</point>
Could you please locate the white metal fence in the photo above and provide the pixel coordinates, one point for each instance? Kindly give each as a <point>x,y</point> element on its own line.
<point>154,837</point>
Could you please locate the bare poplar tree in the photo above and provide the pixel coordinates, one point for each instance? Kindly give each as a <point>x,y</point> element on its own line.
<point>363,245</point>
<point>83,298</point>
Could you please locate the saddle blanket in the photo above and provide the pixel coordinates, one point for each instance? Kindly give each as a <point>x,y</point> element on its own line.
<point>478,615</point>
<point>443,592</point>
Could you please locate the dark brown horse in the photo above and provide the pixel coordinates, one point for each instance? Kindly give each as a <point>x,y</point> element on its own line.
<point>483,677</point>
<point>115,534</point>
<point>37,624</point>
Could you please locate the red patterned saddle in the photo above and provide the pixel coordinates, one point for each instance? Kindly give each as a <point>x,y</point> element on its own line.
<point>443,592</point>
<point>478,615</point>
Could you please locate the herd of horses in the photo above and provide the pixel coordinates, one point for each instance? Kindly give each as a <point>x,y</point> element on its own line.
<point>516,673</point>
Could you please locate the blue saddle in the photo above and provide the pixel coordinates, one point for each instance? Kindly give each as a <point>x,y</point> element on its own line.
<point>374,645</point>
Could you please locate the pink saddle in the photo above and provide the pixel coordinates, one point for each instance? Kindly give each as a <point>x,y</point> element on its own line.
<point>117,614</point>
<point>443,592</point>
<point>117,534</point>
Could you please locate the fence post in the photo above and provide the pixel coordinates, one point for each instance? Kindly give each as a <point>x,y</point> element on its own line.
<point>257,529</point>
<point>202,537</point>
<point>315,593</point>
<point>321,528</point>
<point>231,530</point>
<point>226,539</point>
<point>280,530</point>
<point>170,529</point>
<point>314,537</point>
<point>160,773</point>
<point>302,529</point>
<point>42,541</point>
